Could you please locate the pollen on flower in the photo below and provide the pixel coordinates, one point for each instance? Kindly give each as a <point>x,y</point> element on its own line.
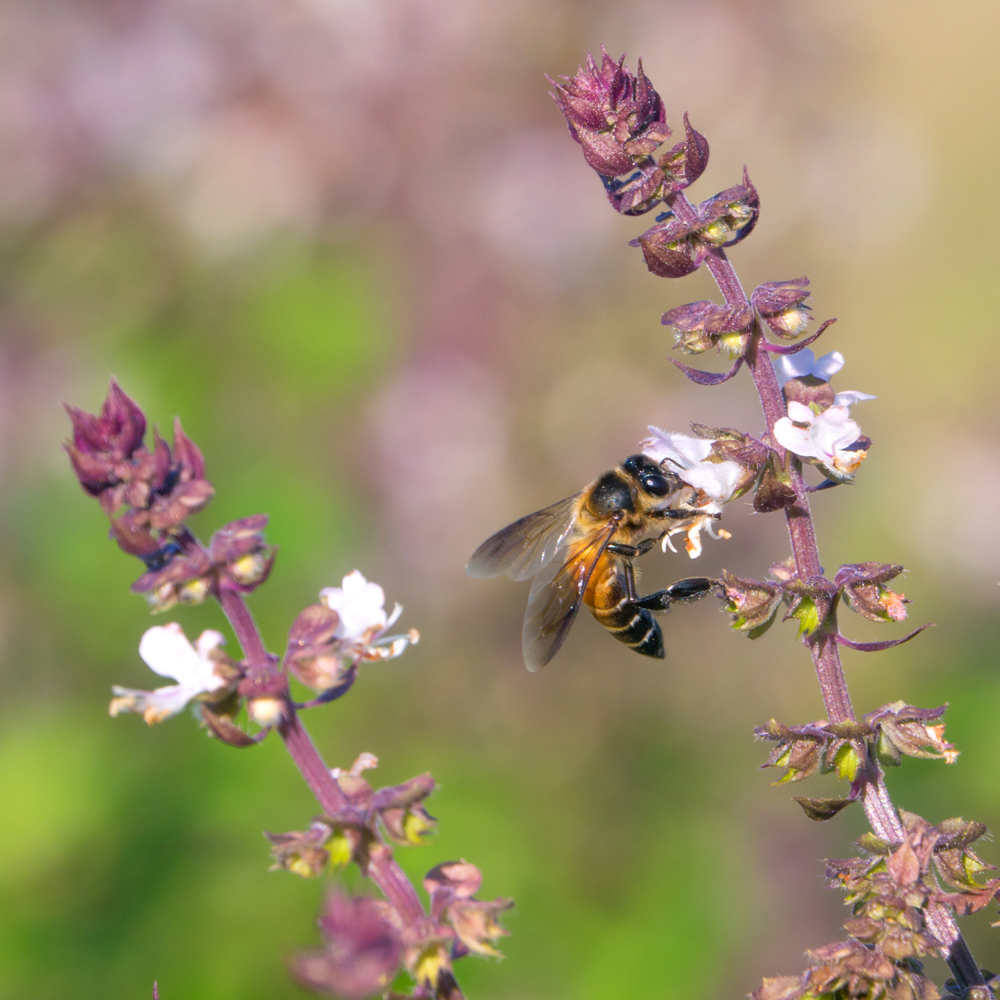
<point>894,604</point>
<point>267,712</point>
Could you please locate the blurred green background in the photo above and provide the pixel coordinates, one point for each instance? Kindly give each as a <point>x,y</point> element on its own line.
<point>352,246</point>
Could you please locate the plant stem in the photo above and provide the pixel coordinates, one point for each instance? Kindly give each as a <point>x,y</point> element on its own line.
<point>382,868</point>
<point>878,806</point>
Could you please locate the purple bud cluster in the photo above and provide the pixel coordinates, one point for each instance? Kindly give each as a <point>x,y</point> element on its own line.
<point>148,493</point>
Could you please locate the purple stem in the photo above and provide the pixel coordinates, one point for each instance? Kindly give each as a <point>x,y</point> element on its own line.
<point>878,806</point>
<point>383,869</point>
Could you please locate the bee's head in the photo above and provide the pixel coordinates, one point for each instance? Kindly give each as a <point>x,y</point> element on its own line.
<point>650,476</point>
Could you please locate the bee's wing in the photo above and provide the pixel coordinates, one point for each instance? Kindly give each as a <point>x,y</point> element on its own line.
<point>521,549</point>
<point>557,593</point>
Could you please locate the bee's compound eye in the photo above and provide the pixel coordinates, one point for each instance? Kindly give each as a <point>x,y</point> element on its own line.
<point>656,484</point>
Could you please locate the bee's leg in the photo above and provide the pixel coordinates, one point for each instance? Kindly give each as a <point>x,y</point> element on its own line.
<point>632,551</point>
<point>691,589</point>
<point>629,575</point>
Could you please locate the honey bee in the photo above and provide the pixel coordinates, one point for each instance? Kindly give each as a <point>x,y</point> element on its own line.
<point>581,549</point>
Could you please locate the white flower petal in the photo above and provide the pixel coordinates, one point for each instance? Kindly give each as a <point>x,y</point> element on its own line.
<point>167,652</point>
<point>207,641</point>
<point>832,431</point>
<point>828,365</point>
<point>359,604</point>
<point>680,451</point>
<point>719,480</point>
<point>849,398</point>
<point>153,706</point>
<point>797,440</point>
<point>804,363</point>
<point>789,366</point>
<point>800,413</point>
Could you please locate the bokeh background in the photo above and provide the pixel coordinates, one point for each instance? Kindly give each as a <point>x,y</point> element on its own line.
<point>353,247</point>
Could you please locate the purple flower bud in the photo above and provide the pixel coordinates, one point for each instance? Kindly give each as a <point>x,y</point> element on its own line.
<point>781,305</point>
<point>301,851</point>
<point>686,162</point>
<point>752,603</point>
<point>616,117</point>
<point>240,554</point>
<point>729,216</point>
<point>188,460</point>
<point>671,249</point>
<point>102,444</point>
<point>362,953</point>
<point>116,432</point>
<point>701,325</point>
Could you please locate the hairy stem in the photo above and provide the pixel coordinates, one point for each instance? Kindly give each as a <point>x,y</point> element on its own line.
<point>878,806</point>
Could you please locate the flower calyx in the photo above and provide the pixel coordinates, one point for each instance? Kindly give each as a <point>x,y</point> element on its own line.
<point>826,746</point>
<point>674,248</point>
<point>701,325</point>
<point>811,603</point>
<point>890,890</point>
<point>902,729</point>
<point>328,641</point>
<point>753,604</point>
<point>237,558</point>
<point>774,489</point>
<point>864,590</point>
<point>684,163</point>
<point>302,852</point>
<point>397,810</point>
<point>363,952</point>
<point>452,887</point>
<point>781,304</point>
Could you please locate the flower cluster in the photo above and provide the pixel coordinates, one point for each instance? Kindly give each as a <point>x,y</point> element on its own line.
<point>893,894</point>
<point>753,604</point>
<point>849,748</point>
<point>326,644</point>
<point>818,427</point>
<point>328,640</point>
<point>676,247</point>
<point>618,119</point>
<point>715,468</point>
<point>367,942</point>
<point>148,493</point>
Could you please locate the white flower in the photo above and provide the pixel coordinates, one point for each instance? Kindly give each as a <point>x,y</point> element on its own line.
<point>363,621</point>
<point>686,456</point>
<point>168,653</point>
<point>360,605</point>
<point>803,363</point>
<point>714,483</point>
<point>826,438</point>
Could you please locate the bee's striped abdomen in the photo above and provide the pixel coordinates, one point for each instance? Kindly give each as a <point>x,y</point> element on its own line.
<point>606,598</point>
